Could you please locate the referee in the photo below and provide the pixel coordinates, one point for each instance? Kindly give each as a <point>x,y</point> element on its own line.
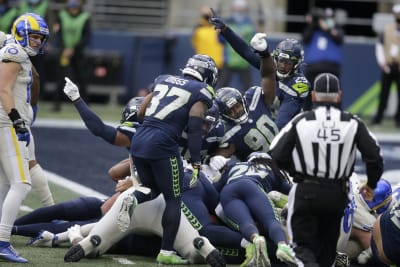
<point>318,149</point>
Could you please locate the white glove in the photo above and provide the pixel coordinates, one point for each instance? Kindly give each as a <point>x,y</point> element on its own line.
<point>259,42</point>
<point>364,256</point>
<point>71,90</point>
<point>218,162</point>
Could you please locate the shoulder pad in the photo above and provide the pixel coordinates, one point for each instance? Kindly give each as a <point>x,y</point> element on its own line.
<point>301,85</point>
<point>3,38</point>
<point>14,53</point>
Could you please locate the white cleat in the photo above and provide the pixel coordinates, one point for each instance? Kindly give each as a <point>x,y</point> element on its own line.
<point>124,216</point>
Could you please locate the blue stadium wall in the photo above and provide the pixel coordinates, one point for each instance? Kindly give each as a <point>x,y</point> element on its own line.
<point>145,57</point>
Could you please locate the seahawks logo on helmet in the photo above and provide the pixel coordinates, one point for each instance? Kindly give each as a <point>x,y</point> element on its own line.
<point>202,68</point>
<point>129,114</point>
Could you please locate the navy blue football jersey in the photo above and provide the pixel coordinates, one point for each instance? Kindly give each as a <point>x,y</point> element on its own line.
<point>291,94</point>
<point>257,132</point>
<point>259,173</point>
<point>167,115</point>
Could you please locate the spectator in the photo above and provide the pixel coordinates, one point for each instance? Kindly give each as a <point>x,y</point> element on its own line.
<point>7,16</point>
<point>322,39</point>
<point>241,24</point>
<point>205,38</point>
<point>387,52</point>
<point>40,7</point>
<point>72,31</point>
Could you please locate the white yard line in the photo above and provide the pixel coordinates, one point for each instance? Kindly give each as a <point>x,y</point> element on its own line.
<point>73,186</point>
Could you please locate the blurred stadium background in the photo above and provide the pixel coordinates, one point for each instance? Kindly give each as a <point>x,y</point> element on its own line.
<point>135,40</point>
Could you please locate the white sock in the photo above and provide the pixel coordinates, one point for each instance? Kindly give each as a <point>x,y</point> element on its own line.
<point>11,205</point>
<point>40,185</point>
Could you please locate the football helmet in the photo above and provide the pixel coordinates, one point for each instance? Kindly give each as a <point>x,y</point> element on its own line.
<point>257,155</point>
<point>30,23</point>
<point>202,68</point>
<point>288,50</point>
<point>211,118</point>
<point>382,197</point>
<point>226,98</point>
<point>129,114</point>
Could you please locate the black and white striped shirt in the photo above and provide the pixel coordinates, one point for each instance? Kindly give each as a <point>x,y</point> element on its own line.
<point>322,144</point>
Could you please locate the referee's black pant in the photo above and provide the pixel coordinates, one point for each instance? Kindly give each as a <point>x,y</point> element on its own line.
<point>314,214</point>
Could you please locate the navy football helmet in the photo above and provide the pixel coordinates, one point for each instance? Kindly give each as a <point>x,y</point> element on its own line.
<point>382,197</point>
<point>202,68</point>
<point>129,114</point>
<point>288,50</point>
<point>226,98</point>
<point>211,117</point>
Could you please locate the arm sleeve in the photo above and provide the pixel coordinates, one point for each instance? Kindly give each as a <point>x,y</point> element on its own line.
<point>241,47</point>
<point>370,154</point>
<point>194,138</point>
<point>94,123</point>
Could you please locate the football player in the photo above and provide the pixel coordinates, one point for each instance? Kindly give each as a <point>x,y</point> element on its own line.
<point>30,33</point>
<point>248,119</point>
<point>244,200</point>
<point>292,86</point>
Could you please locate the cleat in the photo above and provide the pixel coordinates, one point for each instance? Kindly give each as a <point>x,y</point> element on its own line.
<point>260,245</point>
<point>286,254</point>
<point>9,254</point>
<point>250,260</point>
<point>172,259</point>
<point>342,260</point>
<point>124,216</point>
<point>44,239</point>
<point>214,258</point>
<point>74,254</point>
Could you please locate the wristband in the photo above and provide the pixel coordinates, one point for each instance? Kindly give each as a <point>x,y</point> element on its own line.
<point>14,115</point>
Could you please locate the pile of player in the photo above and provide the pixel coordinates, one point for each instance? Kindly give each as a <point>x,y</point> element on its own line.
<point>199,182</point>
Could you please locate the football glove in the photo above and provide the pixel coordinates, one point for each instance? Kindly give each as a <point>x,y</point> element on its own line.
<point>218,162</point>
<point>195,174</point>
<point>71,90</point>
<point>259,44</point>
<point>22,132</point>
<point>216,21</point>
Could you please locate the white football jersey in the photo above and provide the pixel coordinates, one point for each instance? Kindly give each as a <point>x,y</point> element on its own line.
<point>22,88</point>
<point>364,218</point>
